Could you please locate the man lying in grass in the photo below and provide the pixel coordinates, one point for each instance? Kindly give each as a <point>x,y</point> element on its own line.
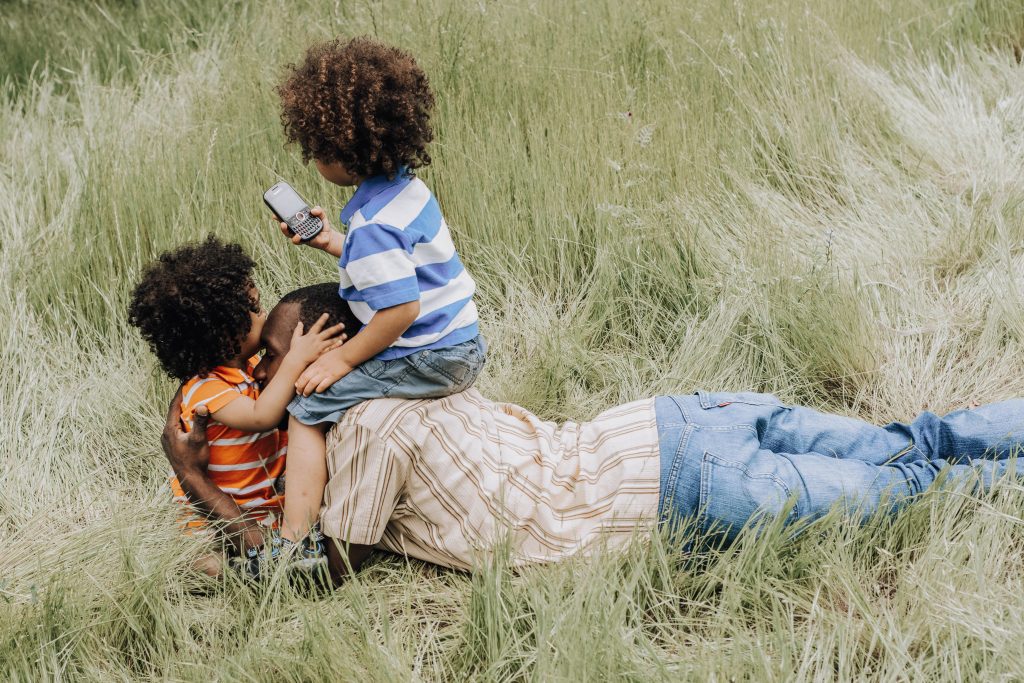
<point>443,479</point>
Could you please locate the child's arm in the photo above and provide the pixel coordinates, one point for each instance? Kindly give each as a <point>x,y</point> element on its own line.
<point>267,411</point>
<point>328,239</point>
<point>307,477</point>
<point>396,309</point>
<point>384,328</point>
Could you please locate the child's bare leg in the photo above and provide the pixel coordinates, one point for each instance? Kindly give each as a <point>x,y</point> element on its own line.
<point>306,476</point>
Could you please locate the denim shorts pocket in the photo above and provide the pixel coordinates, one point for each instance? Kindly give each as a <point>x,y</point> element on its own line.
<point>454,366</point>
<point>734,492</point>
<point>374,367</point>
<point>709,400</point>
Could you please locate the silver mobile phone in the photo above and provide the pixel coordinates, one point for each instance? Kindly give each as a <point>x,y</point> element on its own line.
<point>293,210</point>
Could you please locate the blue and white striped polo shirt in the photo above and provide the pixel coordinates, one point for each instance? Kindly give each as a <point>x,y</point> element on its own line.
<point>398,249</point>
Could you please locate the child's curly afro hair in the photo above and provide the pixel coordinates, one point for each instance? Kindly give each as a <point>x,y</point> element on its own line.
<point>192,306</point>
<point>362,104</point>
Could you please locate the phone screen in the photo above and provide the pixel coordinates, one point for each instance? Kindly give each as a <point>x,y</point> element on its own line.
<point>285,201</point>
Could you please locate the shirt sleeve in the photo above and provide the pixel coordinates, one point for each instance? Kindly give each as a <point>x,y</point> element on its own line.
<point>211,392</point>
<point>365,482</point>
<point>379,263</point>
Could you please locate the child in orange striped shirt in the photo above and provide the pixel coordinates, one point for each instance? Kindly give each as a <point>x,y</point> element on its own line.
<point>200,312</point>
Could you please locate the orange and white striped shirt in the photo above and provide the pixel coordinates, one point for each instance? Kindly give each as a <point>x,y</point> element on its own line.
<point>445,479</point>
<point>244,465</point>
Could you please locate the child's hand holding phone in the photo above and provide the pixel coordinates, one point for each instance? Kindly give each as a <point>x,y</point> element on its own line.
<point>328,239</point>
<point>298,222</point>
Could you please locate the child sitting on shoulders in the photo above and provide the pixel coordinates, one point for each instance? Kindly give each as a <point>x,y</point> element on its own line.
<point>199,310</point>
<point>361,111</point>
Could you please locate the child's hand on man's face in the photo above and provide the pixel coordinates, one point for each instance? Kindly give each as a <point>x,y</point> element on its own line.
<point>323,239</point>
<point>325,371</point>
<point>308,347</point>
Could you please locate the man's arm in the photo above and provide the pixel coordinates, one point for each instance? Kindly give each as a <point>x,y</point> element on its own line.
<point>189,455</point>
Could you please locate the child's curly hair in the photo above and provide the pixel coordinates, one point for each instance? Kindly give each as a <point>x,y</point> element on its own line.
<point>360,103</point>
<point>192,306</point>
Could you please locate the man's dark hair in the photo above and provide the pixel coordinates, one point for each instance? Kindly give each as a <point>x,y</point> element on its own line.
<point>362,104</point>
<point>315,300</point>
<point>192,306</point>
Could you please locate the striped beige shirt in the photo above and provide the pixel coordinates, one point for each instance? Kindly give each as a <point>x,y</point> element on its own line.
<point>444,480</point>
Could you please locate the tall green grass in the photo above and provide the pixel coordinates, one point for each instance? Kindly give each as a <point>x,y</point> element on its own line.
<point>823,200</point>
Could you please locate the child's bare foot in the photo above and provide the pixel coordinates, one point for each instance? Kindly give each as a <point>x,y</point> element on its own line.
<point>210,564</point>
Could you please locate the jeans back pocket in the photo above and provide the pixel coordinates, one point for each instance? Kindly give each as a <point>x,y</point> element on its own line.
<point>738,490</point>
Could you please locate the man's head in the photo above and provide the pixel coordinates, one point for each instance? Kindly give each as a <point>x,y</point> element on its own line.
<point>304,305</point>
<point>359,108</point>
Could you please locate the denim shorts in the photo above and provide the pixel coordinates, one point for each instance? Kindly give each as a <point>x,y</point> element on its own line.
<point>428,373</point>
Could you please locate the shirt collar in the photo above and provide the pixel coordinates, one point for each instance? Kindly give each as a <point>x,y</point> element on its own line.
<point>367,190</point>
<point>237,375</point>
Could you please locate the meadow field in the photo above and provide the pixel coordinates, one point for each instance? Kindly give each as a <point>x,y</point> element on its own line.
<point>818,198</point>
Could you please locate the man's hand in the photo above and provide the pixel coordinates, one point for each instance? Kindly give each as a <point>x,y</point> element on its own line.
<point>344,559</point>
<point>325,371</point>
<point>328,239</point>
<point>186,451</point>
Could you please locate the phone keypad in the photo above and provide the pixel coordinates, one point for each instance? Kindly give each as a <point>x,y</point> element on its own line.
<point>307,228</point>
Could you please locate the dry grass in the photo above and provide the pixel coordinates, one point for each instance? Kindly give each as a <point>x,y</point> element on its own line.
<point>820,199</point>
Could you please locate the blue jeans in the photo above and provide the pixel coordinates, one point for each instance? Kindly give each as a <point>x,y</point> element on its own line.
<point>729,458</point>
<point>429,373</point>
